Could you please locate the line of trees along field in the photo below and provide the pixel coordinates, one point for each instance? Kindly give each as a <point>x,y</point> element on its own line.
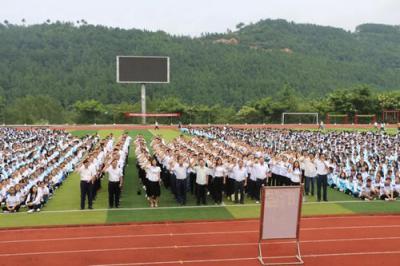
<point>65,72</point>
<point>42,109</point>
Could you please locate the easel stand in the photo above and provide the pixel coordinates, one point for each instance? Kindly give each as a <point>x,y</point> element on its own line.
<point>298,261</point>
<point>280,220</point>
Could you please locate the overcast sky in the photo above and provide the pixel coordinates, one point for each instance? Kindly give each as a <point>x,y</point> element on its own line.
<point>192,17</point>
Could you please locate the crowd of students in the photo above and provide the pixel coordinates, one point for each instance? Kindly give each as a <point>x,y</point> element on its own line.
<point>362,164</point>
<point>34,163</point>
<point>106,158</point>
<point>200,167</point>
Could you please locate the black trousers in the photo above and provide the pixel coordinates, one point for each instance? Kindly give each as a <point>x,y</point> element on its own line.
<point>192,182</point>
<point>322,182</point>
<point>273,180</point>
<point>181,189</point>
<point>201,194</point>
<point>239,189</point>
<point>114,192</point>
<point>229,187</point>
<point>34,207</point>
<point>280,180</point>
<point>86,190</point>
<point>218,187</point>
<point>172,182</point>
<point>310,181</point>
<point>259,184</point>
<point>251,188</point>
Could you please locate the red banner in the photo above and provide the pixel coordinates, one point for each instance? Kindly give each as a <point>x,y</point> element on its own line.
<point>152,115</point>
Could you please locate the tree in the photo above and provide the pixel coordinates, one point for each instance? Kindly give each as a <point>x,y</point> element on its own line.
<point>89,110</point>
<point>239,25</point>
<point>248,114</point>
<point>36,109</point>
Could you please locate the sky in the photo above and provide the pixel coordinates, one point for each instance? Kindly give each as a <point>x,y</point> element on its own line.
<point>193,17</point>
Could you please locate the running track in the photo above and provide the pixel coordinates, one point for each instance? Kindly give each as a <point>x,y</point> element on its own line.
<point>345,240</point>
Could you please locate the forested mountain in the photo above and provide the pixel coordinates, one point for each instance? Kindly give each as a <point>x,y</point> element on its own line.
<point>73,62</point>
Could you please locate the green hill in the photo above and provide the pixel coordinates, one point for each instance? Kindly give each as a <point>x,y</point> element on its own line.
<point>77,62</point>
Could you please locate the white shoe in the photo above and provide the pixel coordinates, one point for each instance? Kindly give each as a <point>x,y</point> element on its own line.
<point>31,210</point>
<point>257,202</point>
<point>6,212</point>
<point>38,210</point>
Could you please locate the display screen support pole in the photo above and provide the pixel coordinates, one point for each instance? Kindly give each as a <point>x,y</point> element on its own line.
<point>143,102</point>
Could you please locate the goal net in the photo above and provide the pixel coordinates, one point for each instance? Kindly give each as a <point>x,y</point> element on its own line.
<point>364,119</point>
<point>391,116</point>
<point>300,118</point>
<point>337,119</point>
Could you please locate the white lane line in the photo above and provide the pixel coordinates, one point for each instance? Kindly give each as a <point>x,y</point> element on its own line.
<point>127,236</point>
<point>170,234</point>
<point>191,246</point>
<point>183,207</point>
<point>252,258</point>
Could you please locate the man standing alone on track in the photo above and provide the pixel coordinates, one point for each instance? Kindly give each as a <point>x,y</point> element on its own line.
<point>87,178</point>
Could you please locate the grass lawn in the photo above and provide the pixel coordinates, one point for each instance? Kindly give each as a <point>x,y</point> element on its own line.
<point>63,208</point>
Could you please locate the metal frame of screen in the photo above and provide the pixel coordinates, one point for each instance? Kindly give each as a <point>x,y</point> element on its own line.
<point>297,240</point>
<point>143,82</point>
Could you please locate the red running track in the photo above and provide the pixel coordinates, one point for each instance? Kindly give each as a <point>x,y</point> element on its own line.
<point>346,240</point>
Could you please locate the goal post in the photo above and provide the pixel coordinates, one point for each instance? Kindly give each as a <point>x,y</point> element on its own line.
<point>301,118</point>
<point>331,118</point>
<point>391,116</point>
<point>370,117</point>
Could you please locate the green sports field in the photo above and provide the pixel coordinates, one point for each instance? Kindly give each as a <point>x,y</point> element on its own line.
<point>63,208</point>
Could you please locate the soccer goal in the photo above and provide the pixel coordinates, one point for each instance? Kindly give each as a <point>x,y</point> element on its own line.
<point>337,119</point>
<point>300,118</point>
<point>364,119</point>
<point>391,116</point>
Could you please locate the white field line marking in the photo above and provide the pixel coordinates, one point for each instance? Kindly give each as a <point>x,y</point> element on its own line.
<point>189,246</point>
<point>168,223</point>
<point>126,236</point>
<point>250,258</point>
<point>189,234</point>
<point>183,207</point>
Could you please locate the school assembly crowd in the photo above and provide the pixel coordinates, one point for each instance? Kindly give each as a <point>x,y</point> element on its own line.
<point>234,163</point>
<point>109,158</point>
<point>34,163</point>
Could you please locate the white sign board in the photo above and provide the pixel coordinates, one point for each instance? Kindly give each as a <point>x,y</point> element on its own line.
<point>280,212</point>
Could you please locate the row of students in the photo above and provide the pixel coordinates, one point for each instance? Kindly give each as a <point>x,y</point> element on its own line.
<point>106,158</point>
<point>40,177</point>
<point>369,153</point>
<point>149,171</point>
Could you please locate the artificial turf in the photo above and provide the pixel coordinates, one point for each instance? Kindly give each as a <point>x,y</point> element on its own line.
<point>64,207</point>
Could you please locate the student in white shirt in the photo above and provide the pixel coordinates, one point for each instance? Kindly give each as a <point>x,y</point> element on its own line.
<point>386,190</point>
<point>239,174</point>
<point>396,187</point>
<point>219,180</point>
<point>310,173</point>
<point>180,170</point>
<point>201,171</point>
<point>295,174</point>
<point>322,180</point>
<point>13,202</point>
<point>153,183</point>
<point>33,201</point>
<point>115,181</point>
<point>87,174</point>
<point>261,171</point>
<point>367,191</point>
